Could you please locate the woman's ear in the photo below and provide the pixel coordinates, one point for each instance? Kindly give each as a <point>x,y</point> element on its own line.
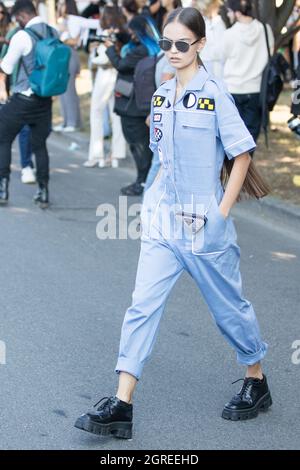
<point>202,43</point>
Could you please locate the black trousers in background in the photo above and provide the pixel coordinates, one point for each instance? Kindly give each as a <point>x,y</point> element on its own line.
<point>250,111</point>
<point>37,113</point>
<point>136,133</point>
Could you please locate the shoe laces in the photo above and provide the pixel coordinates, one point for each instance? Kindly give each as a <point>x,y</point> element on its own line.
<point>246,387</point>
<point>108,403</point>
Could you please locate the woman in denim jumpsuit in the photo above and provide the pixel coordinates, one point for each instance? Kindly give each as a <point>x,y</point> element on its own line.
<point>186,226</point>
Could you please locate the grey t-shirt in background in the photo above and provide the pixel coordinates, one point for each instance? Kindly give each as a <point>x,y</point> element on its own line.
<point>162,67</point>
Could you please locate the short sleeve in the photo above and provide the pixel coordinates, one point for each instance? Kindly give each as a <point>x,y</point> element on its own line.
<point>74,27</point>
<point>20,45</point>
<point>232,131</point>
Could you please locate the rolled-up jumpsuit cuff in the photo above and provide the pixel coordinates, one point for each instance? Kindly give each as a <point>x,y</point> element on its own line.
<point>130,366</point>
<point>251,359</point>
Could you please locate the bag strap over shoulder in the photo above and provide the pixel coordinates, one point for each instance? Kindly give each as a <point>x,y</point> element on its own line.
<point>264,91</point>
<point>37,36</point>
<point>267,40</point>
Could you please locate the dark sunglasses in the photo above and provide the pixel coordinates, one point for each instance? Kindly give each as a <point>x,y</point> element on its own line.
<point>181,46</point>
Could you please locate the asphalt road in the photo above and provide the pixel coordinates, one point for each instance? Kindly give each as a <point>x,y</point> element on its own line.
<point>64,293</point>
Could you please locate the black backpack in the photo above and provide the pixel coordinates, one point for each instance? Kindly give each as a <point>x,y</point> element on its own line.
<point>144,82</point>
<point>272,83</point>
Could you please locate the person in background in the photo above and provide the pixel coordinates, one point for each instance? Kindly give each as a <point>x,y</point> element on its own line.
<point>24,107</point>
<point>159,9</point>
<point>103,95</point>
<point>27,166</point>
<point>143,7</point>
<point>224,13</point>
<point>69,26</point>
<point>158,12</point>
<point>164,71</point>
<point>134,125</point>
<point>25,148</point>
<point>215,28</point>
<point>92,10</point>
<point>130,9</point>
<point>245,53</point>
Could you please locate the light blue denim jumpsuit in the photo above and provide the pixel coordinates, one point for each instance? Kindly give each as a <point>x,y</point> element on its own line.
<point>190,137</point>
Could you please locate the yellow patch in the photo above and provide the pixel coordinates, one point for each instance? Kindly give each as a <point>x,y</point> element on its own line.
<point>158,101</point>
<point>208,104</point>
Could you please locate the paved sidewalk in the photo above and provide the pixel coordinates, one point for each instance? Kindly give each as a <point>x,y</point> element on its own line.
<point>63,298</point>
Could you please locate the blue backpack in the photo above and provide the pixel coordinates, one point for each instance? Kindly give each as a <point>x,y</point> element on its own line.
<point>50,74</point>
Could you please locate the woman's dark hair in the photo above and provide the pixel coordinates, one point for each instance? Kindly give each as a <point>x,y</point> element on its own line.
<point>5,20</point>
<point>243,6</point>
<point>189,17</point>
<point>145,30</point>
<point>254,185</point>
<point>177,4</point>
<point>131,6</point>
<point>112,17</point>
<point>223,12</point>
<point>71,7</point>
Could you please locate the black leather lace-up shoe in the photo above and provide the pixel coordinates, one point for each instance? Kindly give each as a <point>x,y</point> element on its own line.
<point>254,396</point>
<point>112,417</point>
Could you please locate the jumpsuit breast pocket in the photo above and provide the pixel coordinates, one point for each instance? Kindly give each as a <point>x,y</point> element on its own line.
<point>197,146</point>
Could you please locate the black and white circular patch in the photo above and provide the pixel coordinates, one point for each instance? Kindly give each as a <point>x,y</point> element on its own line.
<point>189,100</point>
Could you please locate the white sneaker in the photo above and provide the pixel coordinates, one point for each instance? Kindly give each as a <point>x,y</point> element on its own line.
<point>114,163</point>
<point>58,128</point>
<point>102,163</point>
<point>28,176</point>
<point>69,129</point>
<point>91,163</point>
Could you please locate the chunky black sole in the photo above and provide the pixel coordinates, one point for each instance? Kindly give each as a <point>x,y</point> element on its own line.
<point>3,201</point>
<point>262,405</point>
<point>120,429</point>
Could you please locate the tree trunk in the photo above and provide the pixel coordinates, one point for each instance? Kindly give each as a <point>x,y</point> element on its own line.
<point>283,14</point>
<point>266,11</point>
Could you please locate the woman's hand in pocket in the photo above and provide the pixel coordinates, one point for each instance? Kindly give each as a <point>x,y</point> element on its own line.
<point>223,211</point>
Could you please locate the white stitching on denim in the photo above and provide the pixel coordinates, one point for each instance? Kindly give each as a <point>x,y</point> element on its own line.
<point>235,143</point>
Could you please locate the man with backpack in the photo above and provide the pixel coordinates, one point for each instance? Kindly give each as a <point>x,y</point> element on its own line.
<point>38,79</point>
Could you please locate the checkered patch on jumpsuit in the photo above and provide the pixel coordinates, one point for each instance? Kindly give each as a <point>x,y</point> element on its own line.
<point>207,104</point>
<point>157,134</point>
